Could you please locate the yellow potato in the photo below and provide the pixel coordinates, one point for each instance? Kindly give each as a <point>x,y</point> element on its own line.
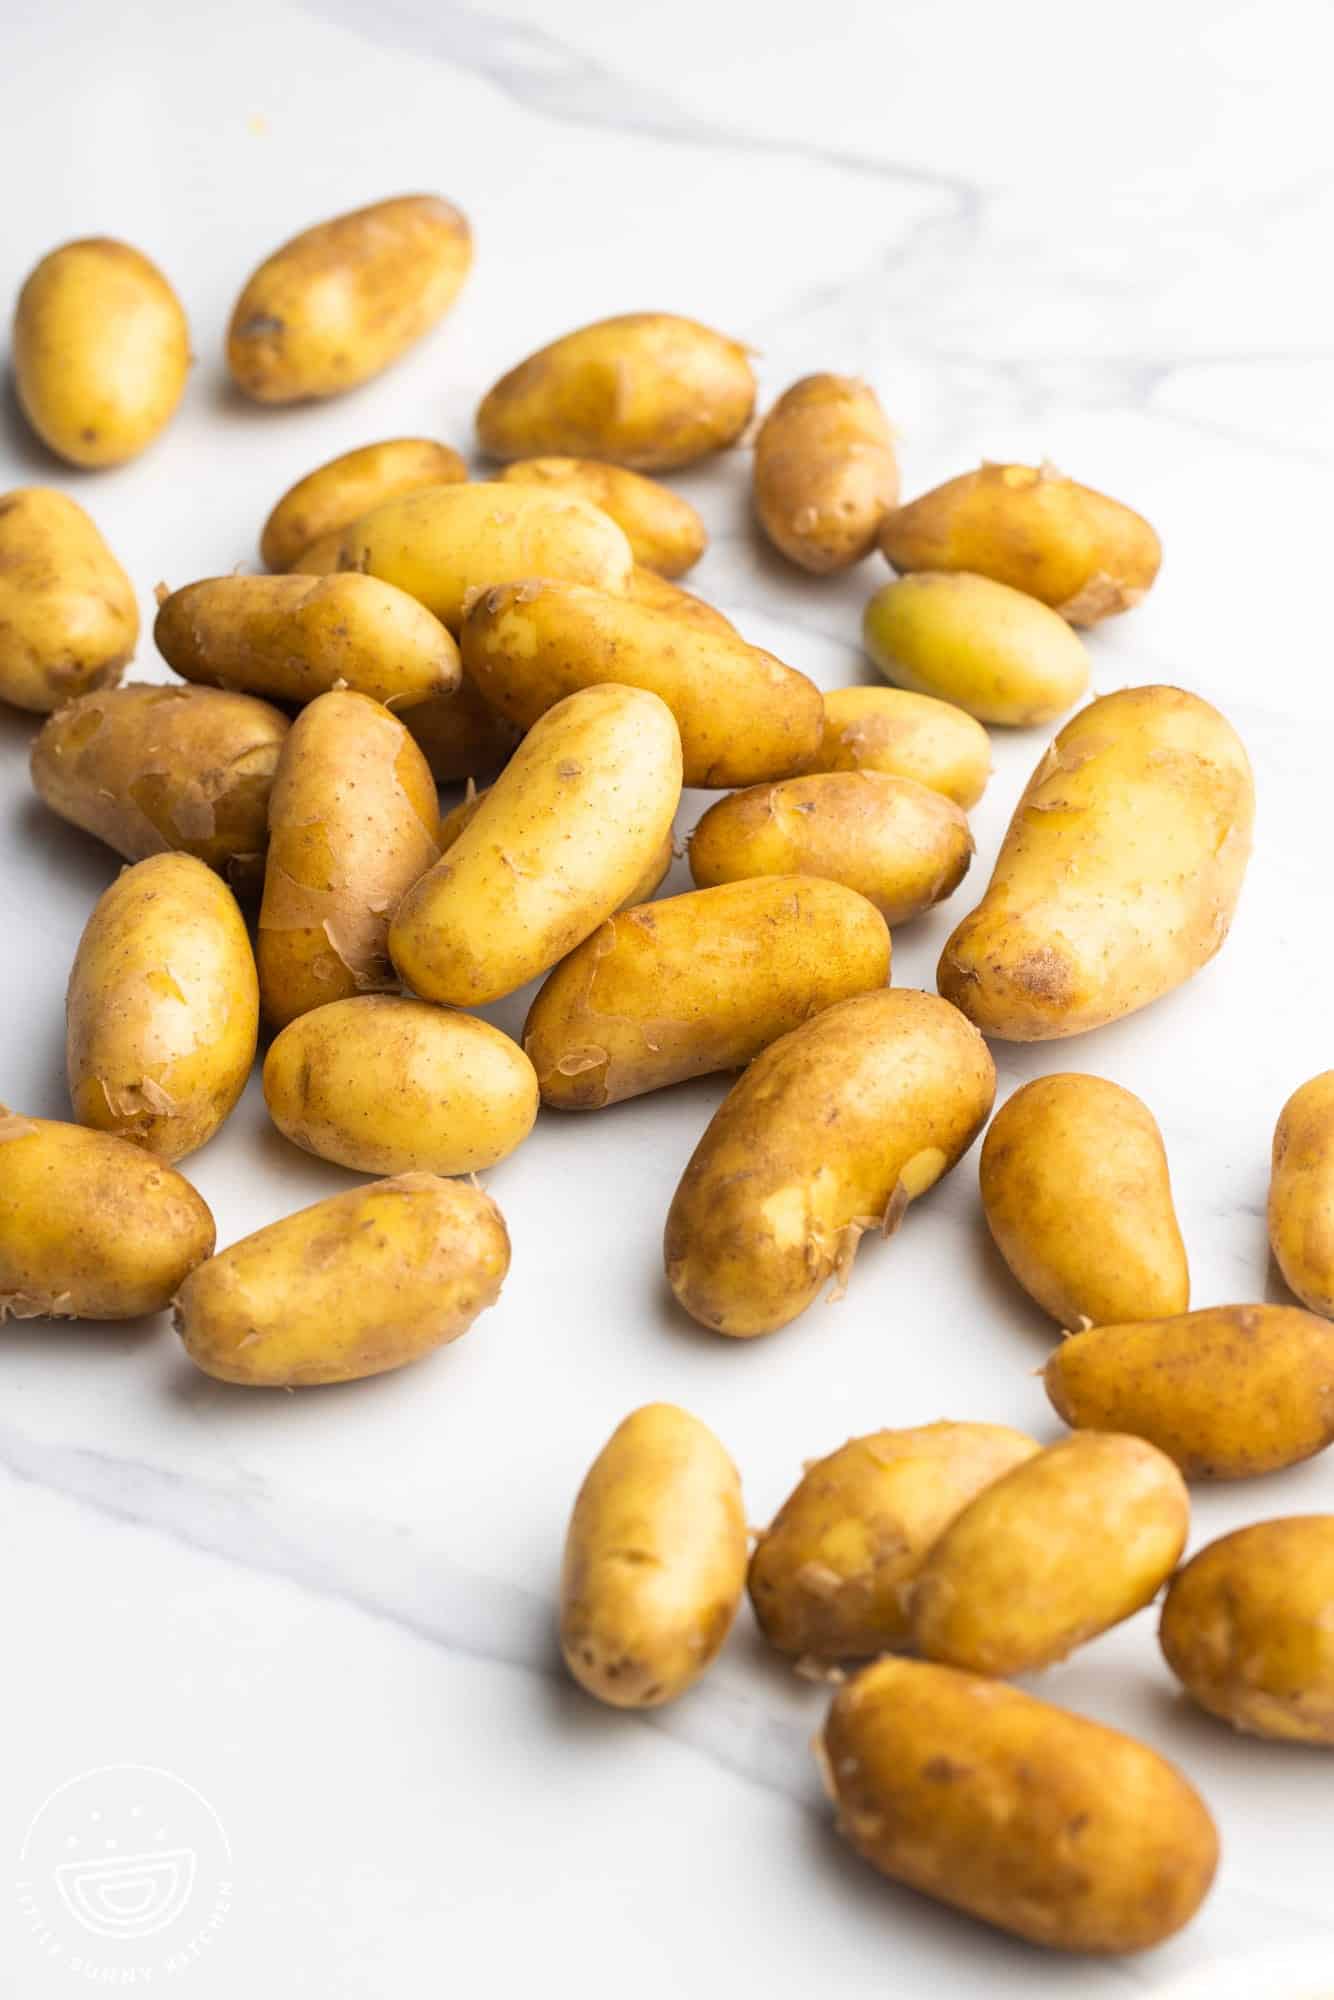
<point>829,1133</point>
<point>1246,1628</point>
<point>831,1576</point>
<point>901,846</point>
<point>293,637</point>
<point>906,735</point>
<point>460,735</point>
<point>1228,1392</point>
<point>655,1560</point>
<point>392,1086</point>
<point>1029,526</point>
<point>1301,1194</point>
<point>697,983</point>
<point>1118,876</point>
<point>1077,1197</point>
<point>340,302</point>
<point>648,588</point>
<point>1041,1822</point>
<point>664,531</point>
<point>354,820</point>
<point>68,616</point>
<point>337,493</point>
<point>101,351</point>
<point>90,1226</point>
<point>162,1014</point>
<point>461,815</point>
<point>569,827</point>
<point>825,472</point>
<point>357,1284</point>
<point>323,556</point>
<point>992,651</point>
<point>743,716</point>
<point>648,390</point>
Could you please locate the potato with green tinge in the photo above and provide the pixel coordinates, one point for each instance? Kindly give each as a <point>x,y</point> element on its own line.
<point>997,654</point>
<point>644,889</point>
<point>1301,1194</point>
<point>340,491</point>
<point>906,735</point>
<point>664,531</point>
<point>68,616</point>
<point>825,472</point>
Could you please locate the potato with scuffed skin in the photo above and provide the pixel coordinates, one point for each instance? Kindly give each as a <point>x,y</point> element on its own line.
<point>825,473</point>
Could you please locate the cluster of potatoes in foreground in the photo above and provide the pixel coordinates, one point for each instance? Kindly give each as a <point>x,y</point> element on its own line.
<point>527,634</point>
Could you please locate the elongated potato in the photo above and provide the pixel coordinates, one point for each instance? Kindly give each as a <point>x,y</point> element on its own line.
<point>1246,1629</point>
<point>339,492</point>
<point>101,351</point>
<point>825,473</point>
<point>68,616</point>
<point>744,717</point>
<point>697,983</point>
<point>1119,874</point>
<point>831,1576</point>
<point>1229,1392</point>
<point>568,828</point>
<point>655,1560</point>
<point>294,637</point>
<point>1078,1200</point>
<point>999,655</point>
<point>91,1227</point>
<point>1041,1822</point>
<point>1301,1194</point>
<point>354,1285</point>
<point>901,846</point>
<point>340,302</point>
<point>354,821</point>
<point>664,531</point>
<point>648,588</point>
<point>462,815</point>
<point>1031,527</point>
<point>829,1133</point>
<point>162,1014</point>
<point>906,735</point>
<point>460,735</point>
<point>648,390</point>
<point>392,1086</point>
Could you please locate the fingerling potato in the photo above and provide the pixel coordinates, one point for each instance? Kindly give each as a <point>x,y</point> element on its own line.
<point>906,735</point>
<point>658,594</point>
<point>664,531</point>
<point>1301,1194</point>
<point>462,815</point>
<point>825,472</point>
<point>68,616</point>
<point>997,654</point>
<point>337,493</point>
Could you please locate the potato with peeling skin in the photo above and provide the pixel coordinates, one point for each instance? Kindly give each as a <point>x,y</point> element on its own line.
<point>340,491</point>
<point>655,1560</point>
<point>992,651</point>
<point>69,620</point>
<point>830,1133</point>
<point>825,472</point>
<point>462,815</point>
<point>664,531</point>
<point>461,736</point>
<point>906,735</point>
<point>655,592</point>
<point>1301,1194</point>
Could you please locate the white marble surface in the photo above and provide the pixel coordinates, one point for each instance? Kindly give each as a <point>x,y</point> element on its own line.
<point>331,1613</point>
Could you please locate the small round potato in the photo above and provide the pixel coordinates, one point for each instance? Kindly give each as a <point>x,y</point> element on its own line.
<point>1246,1629</point>
<point>354,1285</point>
<point>647,390</point>
<point>831,1576</point>
<point>698,983</point>
<point>825,472</point>
<point>1041,1822</point>
<point>162,1014</point>
<point>68,616</point>
<point>1229,1392</point>
<point>655,1560</point>
<point>340,302</point>
<point>1301,1194</point>
<point>906,735</point>
<point>999,655</point>
<point>91,1227</point>
<point>461,736</point>
<point>644,890</point>
<point>657,594</point>
<point>391,1086</point>
<point>664,531</point>
<point>1078,1200</point>
<point>901,846</point>
<point>101,351</point>
<point>337,493</point>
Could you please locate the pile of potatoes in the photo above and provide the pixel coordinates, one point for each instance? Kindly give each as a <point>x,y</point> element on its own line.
<point>292,874</point>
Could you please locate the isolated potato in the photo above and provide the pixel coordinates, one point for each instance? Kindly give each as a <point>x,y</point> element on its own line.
<point>1029,526</point>
<point>354,820</point>
<point>68,616</point>
<point>743,715</point>
<point>91,1227</point>
<point>162,1014</point>
<point>101,351</point>
<point>461,815</point>
<point>655,1560</point>
<point>568,828</point>
<point>1301,1194</point>
<point>354,1285</point>
<point>829,1133</point>
<point>906,735</point>
<point>664,531</point>
<point>992,651</point>
<point>697,983</point>
<point>1118,876</point>
<point>648,588</point>
<point>1078,1200</point>
<point>831,1576</point>
<point>901,846</point>
<point>647,390</point>
<point>337,493</point>
<point>340,302</point>
<point>1246,1628</point>
<point>1041,1822</point>
<point>460,735</point>
<point>1229,1392</point>
<point>293,637</point>
<point>825,473</point>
